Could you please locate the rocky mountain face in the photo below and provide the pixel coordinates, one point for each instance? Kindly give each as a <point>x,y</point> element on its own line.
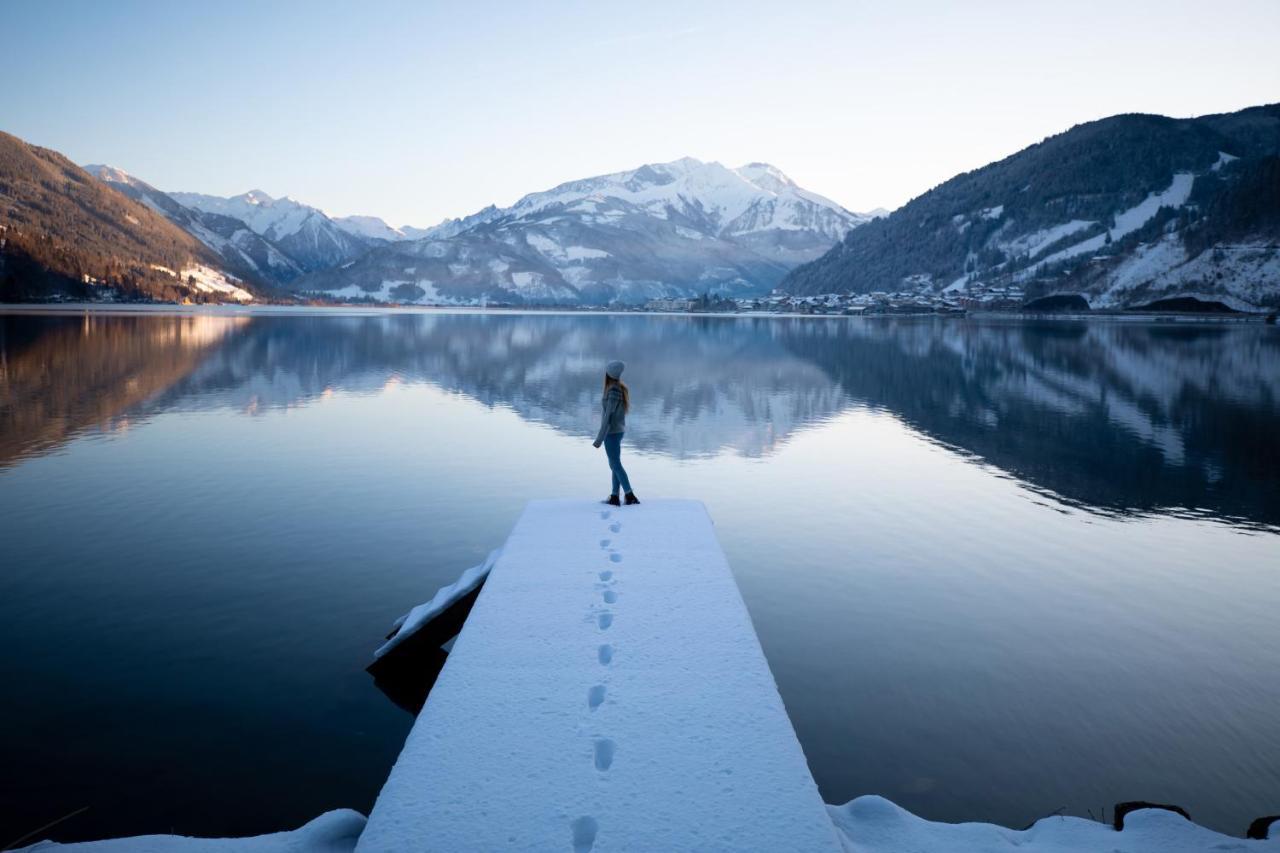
<point>667,229</point>
<point>302,233</point>
<point>241,249</point>
<point>65,234</point>
<point>1125,211</point>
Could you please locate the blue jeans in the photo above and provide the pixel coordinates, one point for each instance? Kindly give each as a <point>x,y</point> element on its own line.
<point>613,449</point>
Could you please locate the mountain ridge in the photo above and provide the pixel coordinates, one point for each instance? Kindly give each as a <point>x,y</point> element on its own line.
<point>65,233</point>
<point>245,252</point>
<point>661,229</point>
<point>304,233</point>
<point>1124,210</point>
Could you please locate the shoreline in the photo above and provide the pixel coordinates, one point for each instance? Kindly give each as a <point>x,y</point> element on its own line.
<point>241,309</point>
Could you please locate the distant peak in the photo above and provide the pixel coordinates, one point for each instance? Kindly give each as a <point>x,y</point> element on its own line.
<point>103,172</point>
<point>684,164</point>
<point>257,197</point>
<point>765,175</point>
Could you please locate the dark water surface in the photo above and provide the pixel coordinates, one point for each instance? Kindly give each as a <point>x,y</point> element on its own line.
<point>998,568</point>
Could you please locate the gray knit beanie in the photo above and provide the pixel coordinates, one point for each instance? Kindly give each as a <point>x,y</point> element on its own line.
<point>614,369</point>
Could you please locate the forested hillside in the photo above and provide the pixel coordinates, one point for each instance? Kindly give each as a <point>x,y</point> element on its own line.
<point>64,233</point>
<point>1123,209</point>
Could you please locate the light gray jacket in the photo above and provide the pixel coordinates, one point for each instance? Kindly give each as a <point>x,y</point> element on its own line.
<point>613,415</point>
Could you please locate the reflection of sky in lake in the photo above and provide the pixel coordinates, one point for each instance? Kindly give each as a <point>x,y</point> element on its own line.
<point>997,568</point>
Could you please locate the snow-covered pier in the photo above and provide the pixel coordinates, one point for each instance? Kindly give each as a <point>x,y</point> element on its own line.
<point>607,692</point>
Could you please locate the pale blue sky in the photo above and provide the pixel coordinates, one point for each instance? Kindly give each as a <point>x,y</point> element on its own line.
<point>417,111</point>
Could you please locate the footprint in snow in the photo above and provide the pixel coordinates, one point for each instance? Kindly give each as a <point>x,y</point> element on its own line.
<point>610,597</point>
<point>584,834</point>
<point>604,543</point>
<point>606,575</point>
<point>604,750</point>
<point>604,513</point>
<point>604,620</point>
<point>616,526</point>
<point>615,558</point>
<point>595,696</point>
<point>605,654</point>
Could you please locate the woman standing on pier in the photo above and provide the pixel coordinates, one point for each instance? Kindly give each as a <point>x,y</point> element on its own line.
<point>613,422</point>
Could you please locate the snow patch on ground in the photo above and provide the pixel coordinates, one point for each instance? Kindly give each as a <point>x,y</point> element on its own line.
<point>208,280</point>
<point>1223,159</point>
<point>333,832</point>
<point>582,253</point>
<point>545,245</point>
<point>1037,241</point>
<point>431,296</point>
<point>407,625</point>
<point>1242,275</point>
<point>576,275</point>
<point>525,279</point>
<point>551,249</point>
<point>1148,261</point>
<point>872,824</point>
<point>1126,222</point>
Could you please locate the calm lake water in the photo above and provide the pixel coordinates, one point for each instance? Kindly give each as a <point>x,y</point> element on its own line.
<point>998,568</point>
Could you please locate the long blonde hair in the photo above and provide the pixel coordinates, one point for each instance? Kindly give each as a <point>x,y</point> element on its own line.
<point>609,381</point>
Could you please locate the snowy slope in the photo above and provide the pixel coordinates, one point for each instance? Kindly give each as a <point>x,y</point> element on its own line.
<point>245,252</point>
<point>664,229</point>
<point>208,280</point>
<point>303,233</point>
<point>369,228</point>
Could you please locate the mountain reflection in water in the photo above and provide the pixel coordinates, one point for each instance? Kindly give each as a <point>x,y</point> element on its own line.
<point>997,568</point>
<point>1117,418</point>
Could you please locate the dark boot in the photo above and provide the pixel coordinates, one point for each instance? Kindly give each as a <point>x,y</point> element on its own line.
<point>612,500</point>
<point>631,498</point>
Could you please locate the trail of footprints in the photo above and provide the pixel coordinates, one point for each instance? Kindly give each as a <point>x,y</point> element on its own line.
<point>584,829</point>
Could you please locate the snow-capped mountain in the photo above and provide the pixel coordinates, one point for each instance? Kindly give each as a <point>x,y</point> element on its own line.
<point>1126,211</point>
<point>245,252</point>
<point>371,228</point>
<point>304,233</point>
<point>664,229</point>
<point>452,227</point>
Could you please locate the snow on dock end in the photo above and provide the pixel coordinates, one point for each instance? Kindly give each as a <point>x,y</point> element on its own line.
<point>872,824</point>
<point>607,693</point>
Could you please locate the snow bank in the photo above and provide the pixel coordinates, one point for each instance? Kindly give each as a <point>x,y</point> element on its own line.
<point>332,832</point>
<point>408,624</point>
<point>872,824</point>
